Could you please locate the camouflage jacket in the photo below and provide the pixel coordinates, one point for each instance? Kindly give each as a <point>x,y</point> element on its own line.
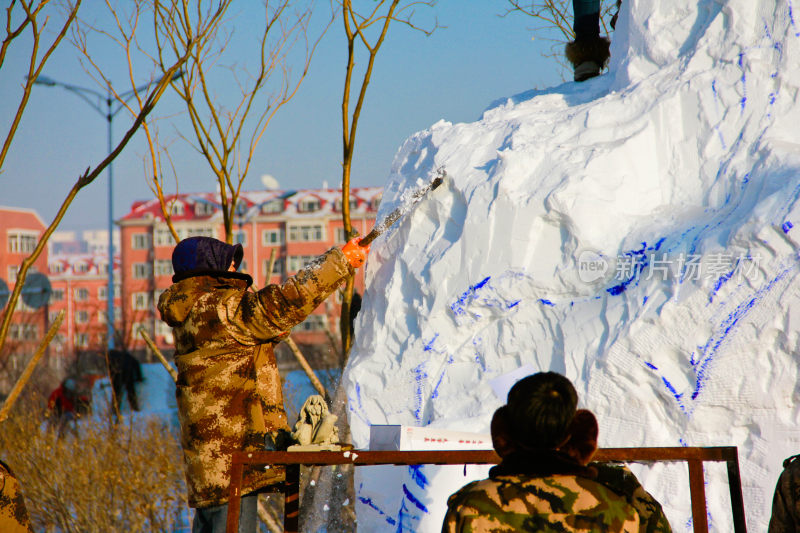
<point>13,514</point>
<point>786,500</point>
<point>551,494</point>
<point>228,390</point>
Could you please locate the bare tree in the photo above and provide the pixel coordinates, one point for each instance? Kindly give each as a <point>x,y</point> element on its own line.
<point>367,29</point>
<point>146,106</point>
<point>227,131</point>
<point>33,18</point>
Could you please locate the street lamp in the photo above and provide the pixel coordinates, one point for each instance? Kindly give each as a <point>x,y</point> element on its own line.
<point>95,99</point>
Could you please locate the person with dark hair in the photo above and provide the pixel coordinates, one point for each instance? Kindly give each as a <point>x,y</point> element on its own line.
<point>125,372</point>
<point>785,516</point>
<point>228,389</point>
<point>588,52</point>
<point>546,481</point>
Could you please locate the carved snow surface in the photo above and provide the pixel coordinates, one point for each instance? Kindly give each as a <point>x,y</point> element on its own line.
<point>635,232</point>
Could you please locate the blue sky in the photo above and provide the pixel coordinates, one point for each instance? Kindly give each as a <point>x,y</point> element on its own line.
<point>475,58</point>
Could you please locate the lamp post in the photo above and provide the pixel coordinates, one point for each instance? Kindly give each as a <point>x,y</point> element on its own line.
<point>96,99</point>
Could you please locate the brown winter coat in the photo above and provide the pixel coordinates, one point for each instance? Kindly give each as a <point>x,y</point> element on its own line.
<point>228,390</point>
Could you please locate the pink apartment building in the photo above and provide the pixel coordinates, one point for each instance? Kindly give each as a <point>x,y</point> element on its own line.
<point>295,226</point>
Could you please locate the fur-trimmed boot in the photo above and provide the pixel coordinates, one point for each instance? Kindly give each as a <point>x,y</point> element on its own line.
<point>588,56</point>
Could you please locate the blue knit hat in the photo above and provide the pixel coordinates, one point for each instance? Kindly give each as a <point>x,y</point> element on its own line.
<point>204,254</point>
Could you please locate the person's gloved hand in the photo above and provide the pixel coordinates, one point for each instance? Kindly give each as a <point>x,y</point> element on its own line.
<point>355,254</point>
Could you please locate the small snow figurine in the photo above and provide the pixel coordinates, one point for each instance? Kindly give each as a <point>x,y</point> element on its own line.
<point>316,426</point>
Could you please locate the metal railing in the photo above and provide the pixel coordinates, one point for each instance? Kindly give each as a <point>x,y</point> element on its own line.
<point>693,456</point>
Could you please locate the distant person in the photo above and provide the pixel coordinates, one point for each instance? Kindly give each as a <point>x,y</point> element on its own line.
<point>545,481</point>
<point>589,52</point>
<point>786,500</point>
<point>63,405</point>
<point>228,388</point>
<point>125,372</point>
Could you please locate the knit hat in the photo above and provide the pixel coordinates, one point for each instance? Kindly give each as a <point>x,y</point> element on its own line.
<point>204,254</point>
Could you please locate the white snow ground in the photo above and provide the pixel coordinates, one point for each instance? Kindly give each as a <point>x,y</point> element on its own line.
<point>635,232</point>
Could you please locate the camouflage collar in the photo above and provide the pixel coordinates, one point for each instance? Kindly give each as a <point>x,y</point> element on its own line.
<point>541,463</point>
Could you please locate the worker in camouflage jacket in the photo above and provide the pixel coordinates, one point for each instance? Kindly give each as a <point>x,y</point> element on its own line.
<point>786,500</point>
<point>546,482</point>
<point>228,389</point>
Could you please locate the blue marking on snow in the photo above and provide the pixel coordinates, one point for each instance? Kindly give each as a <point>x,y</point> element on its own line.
<point>405,518</point>
<point>435,393</point>
<point>644,300</point>
<point>369,503</point>
<point>675,393</point>
<point>637,267</point>
<point>545,302</point>
<point>651,365</point>
<point>722,280</point>
<point>458,306</point>
<point>418,476</point>
<point>420,377</point>
<point>787,226</point>
<point>429,345</point>
<point>708,351</point>
<point>513,304</point>
<point>791,19</point>
<point>743,101</point>
<point>413,499</point>
<point>683,443</point>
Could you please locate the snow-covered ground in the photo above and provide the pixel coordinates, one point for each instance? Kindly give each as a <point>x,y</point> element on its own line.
<point>635,232</point>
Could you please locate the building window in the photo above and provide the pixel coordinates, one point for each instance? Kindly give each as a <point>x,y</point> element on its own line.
<point>102,292</point>
<point>102,317</point>
<point>185,233</point>
<point>140,241</point>
<point>337,205</point>
<point>309,205</point>
<point>142,270</point>
<point>312,323</point>
<point>163,330</point>
<point>82,340</point>
<point>22,242</point>
<point>81,268</point>
<point>375,203</point>
<point>163,237</point>
<point>56,268</point>
<point>176,208</point>
<point>81,294</point>
<point>277,267</point>
<point>272,237</point>
<point>243,267</point>
<point>297,262</point>
<point>341,235</point>
<point>81,317</point>
<point>240,237</point>
<point>59,339</point>
<point>23,332</point>
<point>141,301</point>
<point>272,206</point>
<point>135,330</point>
<point>164,267</point>
<point>204,209</point>
<point>56,295</point>
<point>12,273</point>
<point>306,233</point>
